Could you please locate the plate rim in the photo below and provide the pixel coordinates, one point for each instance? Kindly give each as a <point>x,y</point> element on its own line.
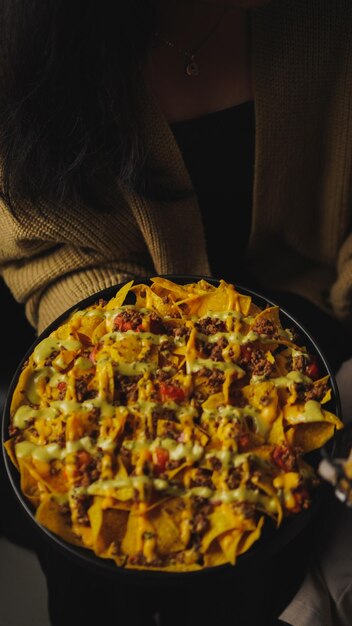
<point>290,527</point>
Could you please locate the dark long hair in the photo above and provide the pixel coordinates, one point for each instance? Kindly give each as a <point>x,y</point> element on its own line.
<point>69,72</point>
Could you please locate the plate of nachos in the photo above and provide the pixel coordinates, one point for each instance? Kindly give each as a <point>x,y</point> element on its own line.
<point>168,425</point>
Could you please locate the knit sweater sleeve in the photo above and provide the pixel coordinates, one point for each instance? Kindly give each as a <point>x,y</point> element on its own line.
<point>341,291</point>
<point>51,260</point>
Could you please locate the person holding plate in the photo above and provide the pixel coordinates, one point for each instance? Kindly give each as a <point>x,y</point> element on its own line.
<point>173,137</point>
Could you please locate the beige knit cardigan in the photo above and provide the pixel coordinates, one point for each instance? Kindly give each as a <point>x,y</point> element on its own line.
<point>300,239</point>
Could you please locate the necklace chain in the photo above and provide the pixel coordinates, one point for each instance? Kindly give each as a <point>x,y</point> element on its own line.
<point>192,66</point>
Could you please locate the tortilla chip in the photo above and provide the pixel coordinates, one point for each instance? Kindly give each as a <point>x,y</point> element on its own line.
<point>221,520</point>
<point>50,514</point>
<point>311,436</point>
<point>31,484</point>
<point>108,527</point>
<point>118,300</point>
<point>9,446</point>
<point>132,542</point>
<point>250,537</point>
<point>229,542</point>
<point>167,533</point>
<point>215,556</point>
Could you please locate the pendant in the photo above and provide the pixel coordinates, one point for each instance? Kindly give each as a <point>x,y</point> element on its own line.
<point>192,68</point>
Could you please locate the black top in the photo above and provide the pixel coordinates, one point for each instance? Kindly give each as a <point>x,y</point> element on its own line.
<point>218,151</point>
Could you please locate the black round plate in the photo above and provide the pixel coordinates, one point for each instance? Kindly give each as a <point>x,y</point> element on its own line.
<point>272,540</point>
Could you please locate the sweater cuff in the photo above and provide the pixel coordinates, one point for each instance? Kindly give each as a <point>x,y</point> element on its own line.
<point>43,308</point>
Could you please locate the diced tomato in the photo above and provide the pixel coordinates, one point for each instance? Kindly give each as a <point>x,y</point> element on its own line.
<point>124,325</point>
<point>62,386</point>
<point>83,458</point>
<point>242,442</point>
<point>160,458</point>
<point>121,324</point>
<point>93,353</point>
<point>284,458</point>
<point>169,391</point>
<point>313,368</point>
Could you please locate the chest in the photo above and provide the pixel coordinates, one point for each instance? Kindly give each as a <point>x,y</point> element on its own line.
<point>222,71</point>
